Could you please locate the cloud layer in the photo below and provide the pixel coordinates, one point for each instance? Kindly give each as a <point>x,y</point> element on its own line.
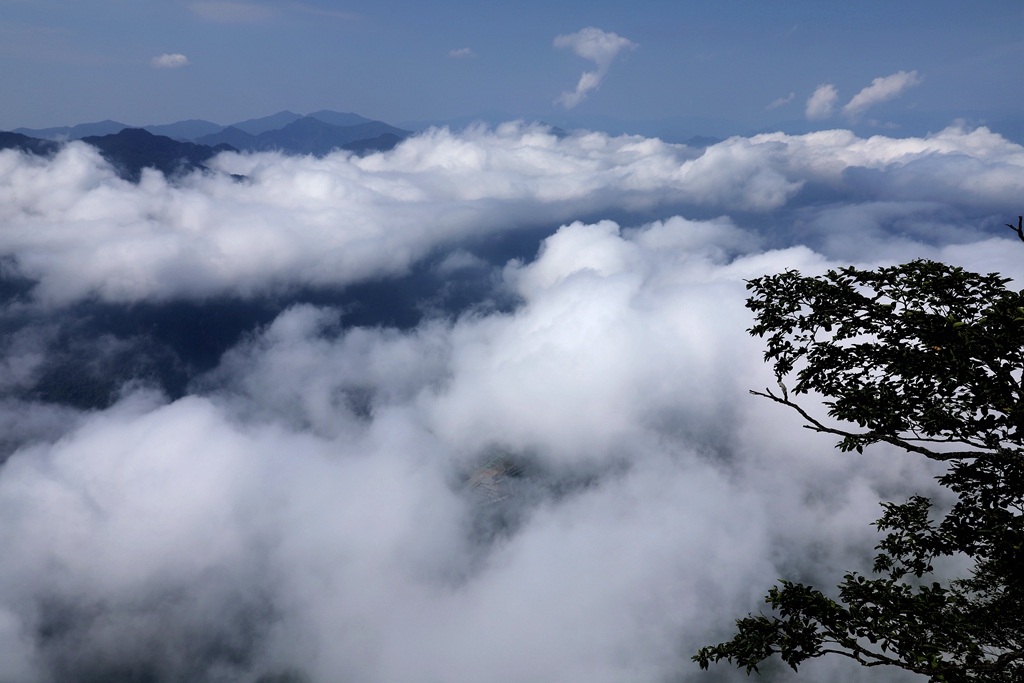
<point>340,529</point>
<point>80,232</point>
<point>305,512</point>
<point>599,47</point>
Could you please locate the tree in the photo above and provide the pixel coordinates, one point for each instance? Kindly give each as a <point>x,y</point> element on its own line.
<point>928,358</point>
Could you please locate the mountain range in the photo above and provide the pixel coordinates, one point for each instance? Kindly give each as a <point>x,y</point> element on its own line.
<point>309,135</point>
<point>193,129</point>
<point>185,146</point>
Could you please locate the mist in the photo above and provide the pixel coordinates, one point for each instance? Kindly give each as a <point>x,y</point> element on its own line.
<point>245,412</point>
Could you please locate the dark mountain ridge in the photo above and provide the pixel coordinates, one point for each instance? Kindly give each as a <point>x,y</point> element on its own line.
<point>28,144</point>
<point>236,137</point>
<point>133,149</point>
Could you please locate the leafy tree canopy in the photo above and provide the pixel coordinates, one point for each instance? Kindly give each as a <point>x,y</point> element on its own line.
<point>929,358</point>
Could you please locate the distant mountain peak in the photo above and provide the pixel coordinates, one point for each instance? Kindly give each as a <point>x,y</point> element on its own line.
<point>336,118</point>
<point>190,129</point>
<point>267,123</point>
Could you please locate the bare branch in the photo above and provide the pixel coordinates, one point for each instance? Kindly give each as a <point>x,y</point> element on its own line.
<point>1019,229</point>
<point>817,426</point>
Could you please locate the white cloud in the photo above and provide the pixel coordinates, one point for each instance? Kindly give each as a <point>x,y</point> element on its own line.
<point>461,53</point>
<point>170,61</point>
<point>822,103</point>
<point>81,232</point>
<point>781,101</point>
<point>228,11</point>
<point>880,90</point>
<point>341,539</point>
<point>302,511</point>
<point>599,47</point>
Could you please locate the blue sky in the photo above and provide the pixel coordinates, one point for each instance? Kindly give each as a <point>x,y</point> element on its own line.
<point>65,62</point>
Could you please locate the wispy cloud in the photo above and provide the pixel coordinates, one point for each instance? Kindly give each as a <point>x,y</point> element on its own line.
<point>232,12</point>
<point>881,90</point>
<point>781,101</point>
<point>170,61</point>
<point>599,47</point>
<point>462,53</point>
<point>822,103</point>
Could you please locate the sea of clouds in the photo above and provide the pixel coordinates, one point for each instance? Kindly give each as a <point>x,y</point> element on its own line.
<point>300,510</point>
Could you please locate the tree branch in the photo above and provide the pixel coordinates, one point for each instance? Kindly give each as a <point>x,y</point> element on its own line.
<point>1019,229</point>
<point>817,426</point>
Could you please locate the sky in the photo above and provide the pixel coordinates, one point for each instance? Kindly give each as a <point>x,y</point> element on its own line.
<point>245,411</point>
<point>63,63</point>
